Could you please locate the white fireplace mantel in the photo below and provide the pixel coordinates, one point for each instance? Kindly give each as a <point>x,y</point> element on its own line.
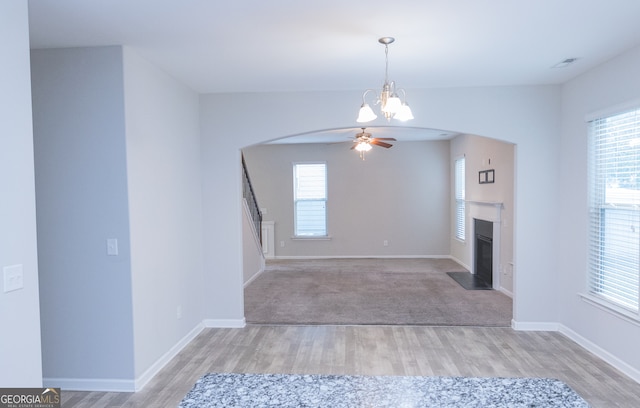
<point>485,210</point>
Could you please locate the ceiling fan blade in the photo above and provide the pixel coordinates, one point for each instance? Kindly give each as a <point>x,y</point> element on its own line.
<point>381,144</point>
<point>386,138</point>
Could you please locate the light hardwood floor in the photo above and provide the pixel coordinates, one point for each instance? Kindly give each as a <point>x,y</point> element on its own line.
<point>377,350</point>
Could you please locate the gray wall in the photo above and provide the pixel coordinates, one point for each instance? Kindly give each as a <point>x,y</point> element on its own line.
<point>527,116</point>
<point>20,356</point>
<point>400,195</point>
<point>165,210</point>
<point>117,156</point>
<point>81,190</point>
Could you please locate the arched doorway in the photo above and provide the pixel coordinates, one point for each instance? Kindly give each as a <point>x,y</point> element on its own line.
<point>367,190</point>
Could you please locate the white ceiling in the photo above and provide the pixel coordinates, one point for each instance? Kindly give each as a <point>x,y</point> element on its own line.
<point>289,45</point>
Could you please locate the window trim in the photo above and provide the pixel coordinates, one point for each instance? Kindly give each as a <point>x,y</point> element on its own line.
<point>295,236</point>
<point>612,111</point>
<point>457,200</point>
<point>589,296</point>
<point>603,304</point>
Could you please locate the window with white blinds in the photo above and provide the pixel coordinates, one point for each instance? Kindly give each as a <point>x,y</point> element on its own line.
<point>614,208</point>
<point>310,199</point>
<point>459,192</point>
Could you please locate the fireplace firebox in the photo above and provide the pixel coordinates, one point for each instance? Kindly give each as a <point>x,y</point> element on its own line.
<point>484,251</point>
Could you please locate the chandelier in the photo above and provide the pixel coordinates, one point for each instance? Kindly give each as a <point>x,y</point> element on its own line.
<point>390,104</point>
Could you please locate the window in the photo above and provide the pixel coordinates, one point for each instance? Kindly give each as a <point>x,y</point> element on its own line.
<point>459,192</point>
<point>310,199</point>
<point>614,209</point>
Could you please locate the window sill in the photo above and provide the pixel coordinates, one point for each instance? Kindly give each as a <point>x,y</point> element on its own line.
<point>617,311</point>
<point>311,238</point>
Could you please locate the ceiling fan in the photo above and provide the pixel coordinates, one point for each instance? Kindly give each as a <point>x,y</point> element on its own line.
<point>363,142</point>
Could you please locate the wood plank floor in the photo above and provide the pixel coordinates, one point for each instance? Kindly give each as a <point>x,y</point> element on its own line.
<point>377,350</point>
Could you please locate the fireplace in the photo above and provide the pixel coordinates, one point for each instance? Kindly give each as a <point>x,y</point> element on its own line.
<point>483,261</point>
<point>484,253</point>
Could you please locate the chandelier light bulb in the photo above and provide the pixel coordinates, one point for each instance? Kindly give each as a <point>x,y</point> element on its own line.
<point>404,113</point>
<point>366,114</point>
<point>393,104</point>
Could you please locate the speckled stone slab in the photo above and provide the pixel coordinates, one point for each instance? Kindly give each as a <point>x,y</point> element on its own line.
<point>337,391</point>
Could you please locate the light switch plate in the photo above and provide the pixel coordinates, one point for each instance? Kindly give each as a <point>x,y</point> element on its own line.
<point>13,278</point>
<point>112,246</point>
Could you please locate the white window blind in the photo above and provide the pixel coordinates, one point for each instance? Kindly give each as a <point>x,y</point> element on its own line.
<point>460,193</point>
<point>310,199</point>
<point>614,208</point>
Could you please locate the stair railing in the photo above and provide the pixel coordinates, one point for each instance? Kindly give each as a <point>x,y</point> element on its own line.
<point>250,197</point>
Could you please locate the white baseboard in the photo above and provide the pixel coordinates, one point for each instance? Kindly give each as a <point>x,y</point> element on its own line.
<point>588,345</point>
<point>366,257</point>
<point>506,292</point>
<point>164,360</point>
<point>465,266</point>
<point>534,326</point>
<point>601,353</point>
<point>225,323</point>
<point>118,385</point>
<point>90,384</point>
<point>251,279</point>
<point>134,385</point>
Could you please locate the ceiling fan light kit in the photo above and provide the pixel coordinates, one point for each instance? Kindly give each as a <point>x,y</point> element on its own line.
<point>390,103</point>
<point>363,147</point>
<point>364,142</point>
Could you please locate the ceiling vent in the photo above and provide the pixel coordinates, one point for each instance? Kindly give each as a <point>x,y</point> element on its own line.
<point>565,63</point>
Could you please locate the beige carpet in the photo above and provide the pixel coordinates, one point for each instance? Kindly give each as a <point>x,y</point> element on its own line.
<point>371,291</point>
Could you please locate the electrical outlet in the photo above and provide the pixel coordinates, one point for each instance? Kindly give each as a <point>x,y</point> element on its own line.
<point>385,243</point>
<point>281,244</point>
<point>179,312</point>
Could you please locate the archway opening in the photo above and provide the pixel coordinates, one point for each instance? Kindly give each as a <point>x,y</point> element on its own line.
<point>394,205</point>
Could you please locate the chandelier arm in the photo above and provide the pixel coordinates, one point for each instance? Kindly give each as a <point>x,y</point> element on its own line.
<point>365,94</point>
